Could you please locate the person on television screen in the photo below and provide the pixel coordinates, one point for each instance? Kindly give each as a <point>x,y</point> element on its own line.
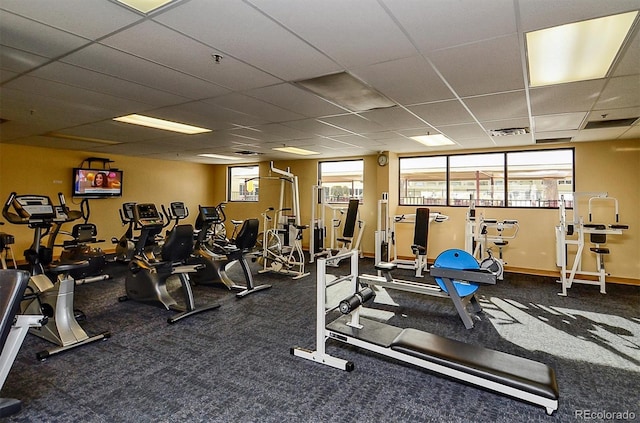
<point>101,180</point>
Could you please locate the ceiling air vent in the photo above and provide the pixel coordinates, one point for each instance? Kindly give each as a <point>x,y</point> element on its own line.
<point>550,140</point>
<point>612,123</point>
<point>248,153</point>
<point>505,132</point>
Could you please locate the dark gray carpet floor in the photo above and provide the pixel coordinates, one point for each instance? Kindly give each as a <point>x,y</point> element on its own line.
<point>234,364</point>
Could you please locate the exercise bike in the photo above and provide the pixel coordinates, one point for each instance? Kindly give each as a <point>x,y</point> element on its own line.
<point>218,255</point>
<point>78,247</point>
<point>148,274</point>
<point>54,300</point>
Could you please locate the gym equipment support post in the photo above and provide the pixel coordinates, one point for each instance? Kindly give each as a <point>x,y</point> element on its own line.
<point>496,371</point>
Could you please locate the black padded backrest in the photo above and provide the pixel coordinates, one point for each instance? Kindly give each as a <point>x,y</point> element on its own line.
<point>350,222</point>
<point>84,232</point>
<point>421,229</point>
<point>12,286</point>
<point>248,234</point>
<point>179,244</point>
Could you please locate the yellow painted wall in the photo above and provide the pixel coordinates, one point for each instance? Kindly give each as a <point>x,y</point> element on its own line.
<point>612,166</point>
<point>43,171</point>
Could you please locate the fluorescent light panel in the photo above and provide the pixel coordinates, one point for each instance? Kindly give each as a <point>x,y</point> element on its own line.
<point>433,140</point>
<point>576,52</point>
<point>218,156</point>
<point>167,125</point>
<point>296,150</point>
<point>145,6</point>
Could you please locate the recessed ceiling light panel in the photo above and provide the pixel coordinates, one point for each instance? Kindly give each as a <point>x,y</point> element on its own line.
<point>433,140</point>
<point>578,51</point>
<point>296,150</point>
<point>145,6</point>
<point>166,125</point>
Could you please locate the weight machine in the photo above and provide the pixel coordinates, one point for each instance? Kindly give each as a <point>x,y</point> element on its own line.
<point>480,232</point>
<point>571,232</point>
<point>281,239</point>
<point>507,374</point>
<point>352,227</point>
<point>387,233</point>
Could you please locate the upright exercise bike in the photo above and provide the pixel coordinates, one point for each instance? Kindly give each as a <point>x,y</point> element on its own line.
<point>54,300</point>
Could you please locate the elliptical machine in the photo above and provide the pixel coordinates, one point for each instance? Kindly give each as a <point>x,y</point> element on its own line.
<point>148,275</point>
<point>54,300</point>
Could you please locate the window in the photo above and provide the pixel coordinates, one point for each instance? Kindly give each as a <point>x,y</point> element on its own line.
<point>539,178</point>
<point>243,183</point>
<point>510,179</point>
<point>478,177</point>
<point>423,181</point>
<point>342,180</point>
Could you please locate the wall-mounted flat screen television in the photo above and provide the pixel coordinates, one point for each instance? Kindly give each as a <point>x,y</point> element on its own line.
<point>97,183</point>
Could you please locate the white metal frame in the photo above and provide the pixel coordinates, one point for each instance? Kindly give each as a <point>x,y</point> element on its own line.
<point>568,272</point>
<point>322,334</point>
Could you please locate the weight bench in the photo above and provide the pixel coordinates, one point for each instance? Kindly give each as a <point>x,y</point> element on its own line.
<point>13,329</point>
<point>497,371</point>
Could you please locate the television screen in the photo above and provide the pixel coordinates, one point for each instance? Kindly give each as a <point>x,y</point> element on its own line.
<point>97,183</point>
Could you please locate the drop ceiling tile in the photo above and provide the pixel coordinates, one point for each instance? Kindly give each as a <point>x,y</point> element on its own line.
<point>211,115</point>
<point>50,142</point>
<point>354,123</point>
<point>628,64</point>
<point>32,37</point>
<point>498,106</point>
<point>410,80</point>
<point>393,118</point>
<point>600,134</point>
<point>6,75</point>
<point>373,35</point>
<point>316,127</point>
<point>443,113</point>
<point>461,132</point>
<point>624,113</point>
<point>634,134</point>
<point>620,92</point>
<point>565,98</point>
<point>292,98</point>
<point>78,96</point>
<point>254,107</point>
<point>238,29</point>
<point>114,131</point>
<point>64,15</point>
<point>19,61</point>
<point>437,24</point>
<point>162,45</point>
<point>134,69</point>
<point>559,122</point>
<point>95,81</point>
<point>484,67</point>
